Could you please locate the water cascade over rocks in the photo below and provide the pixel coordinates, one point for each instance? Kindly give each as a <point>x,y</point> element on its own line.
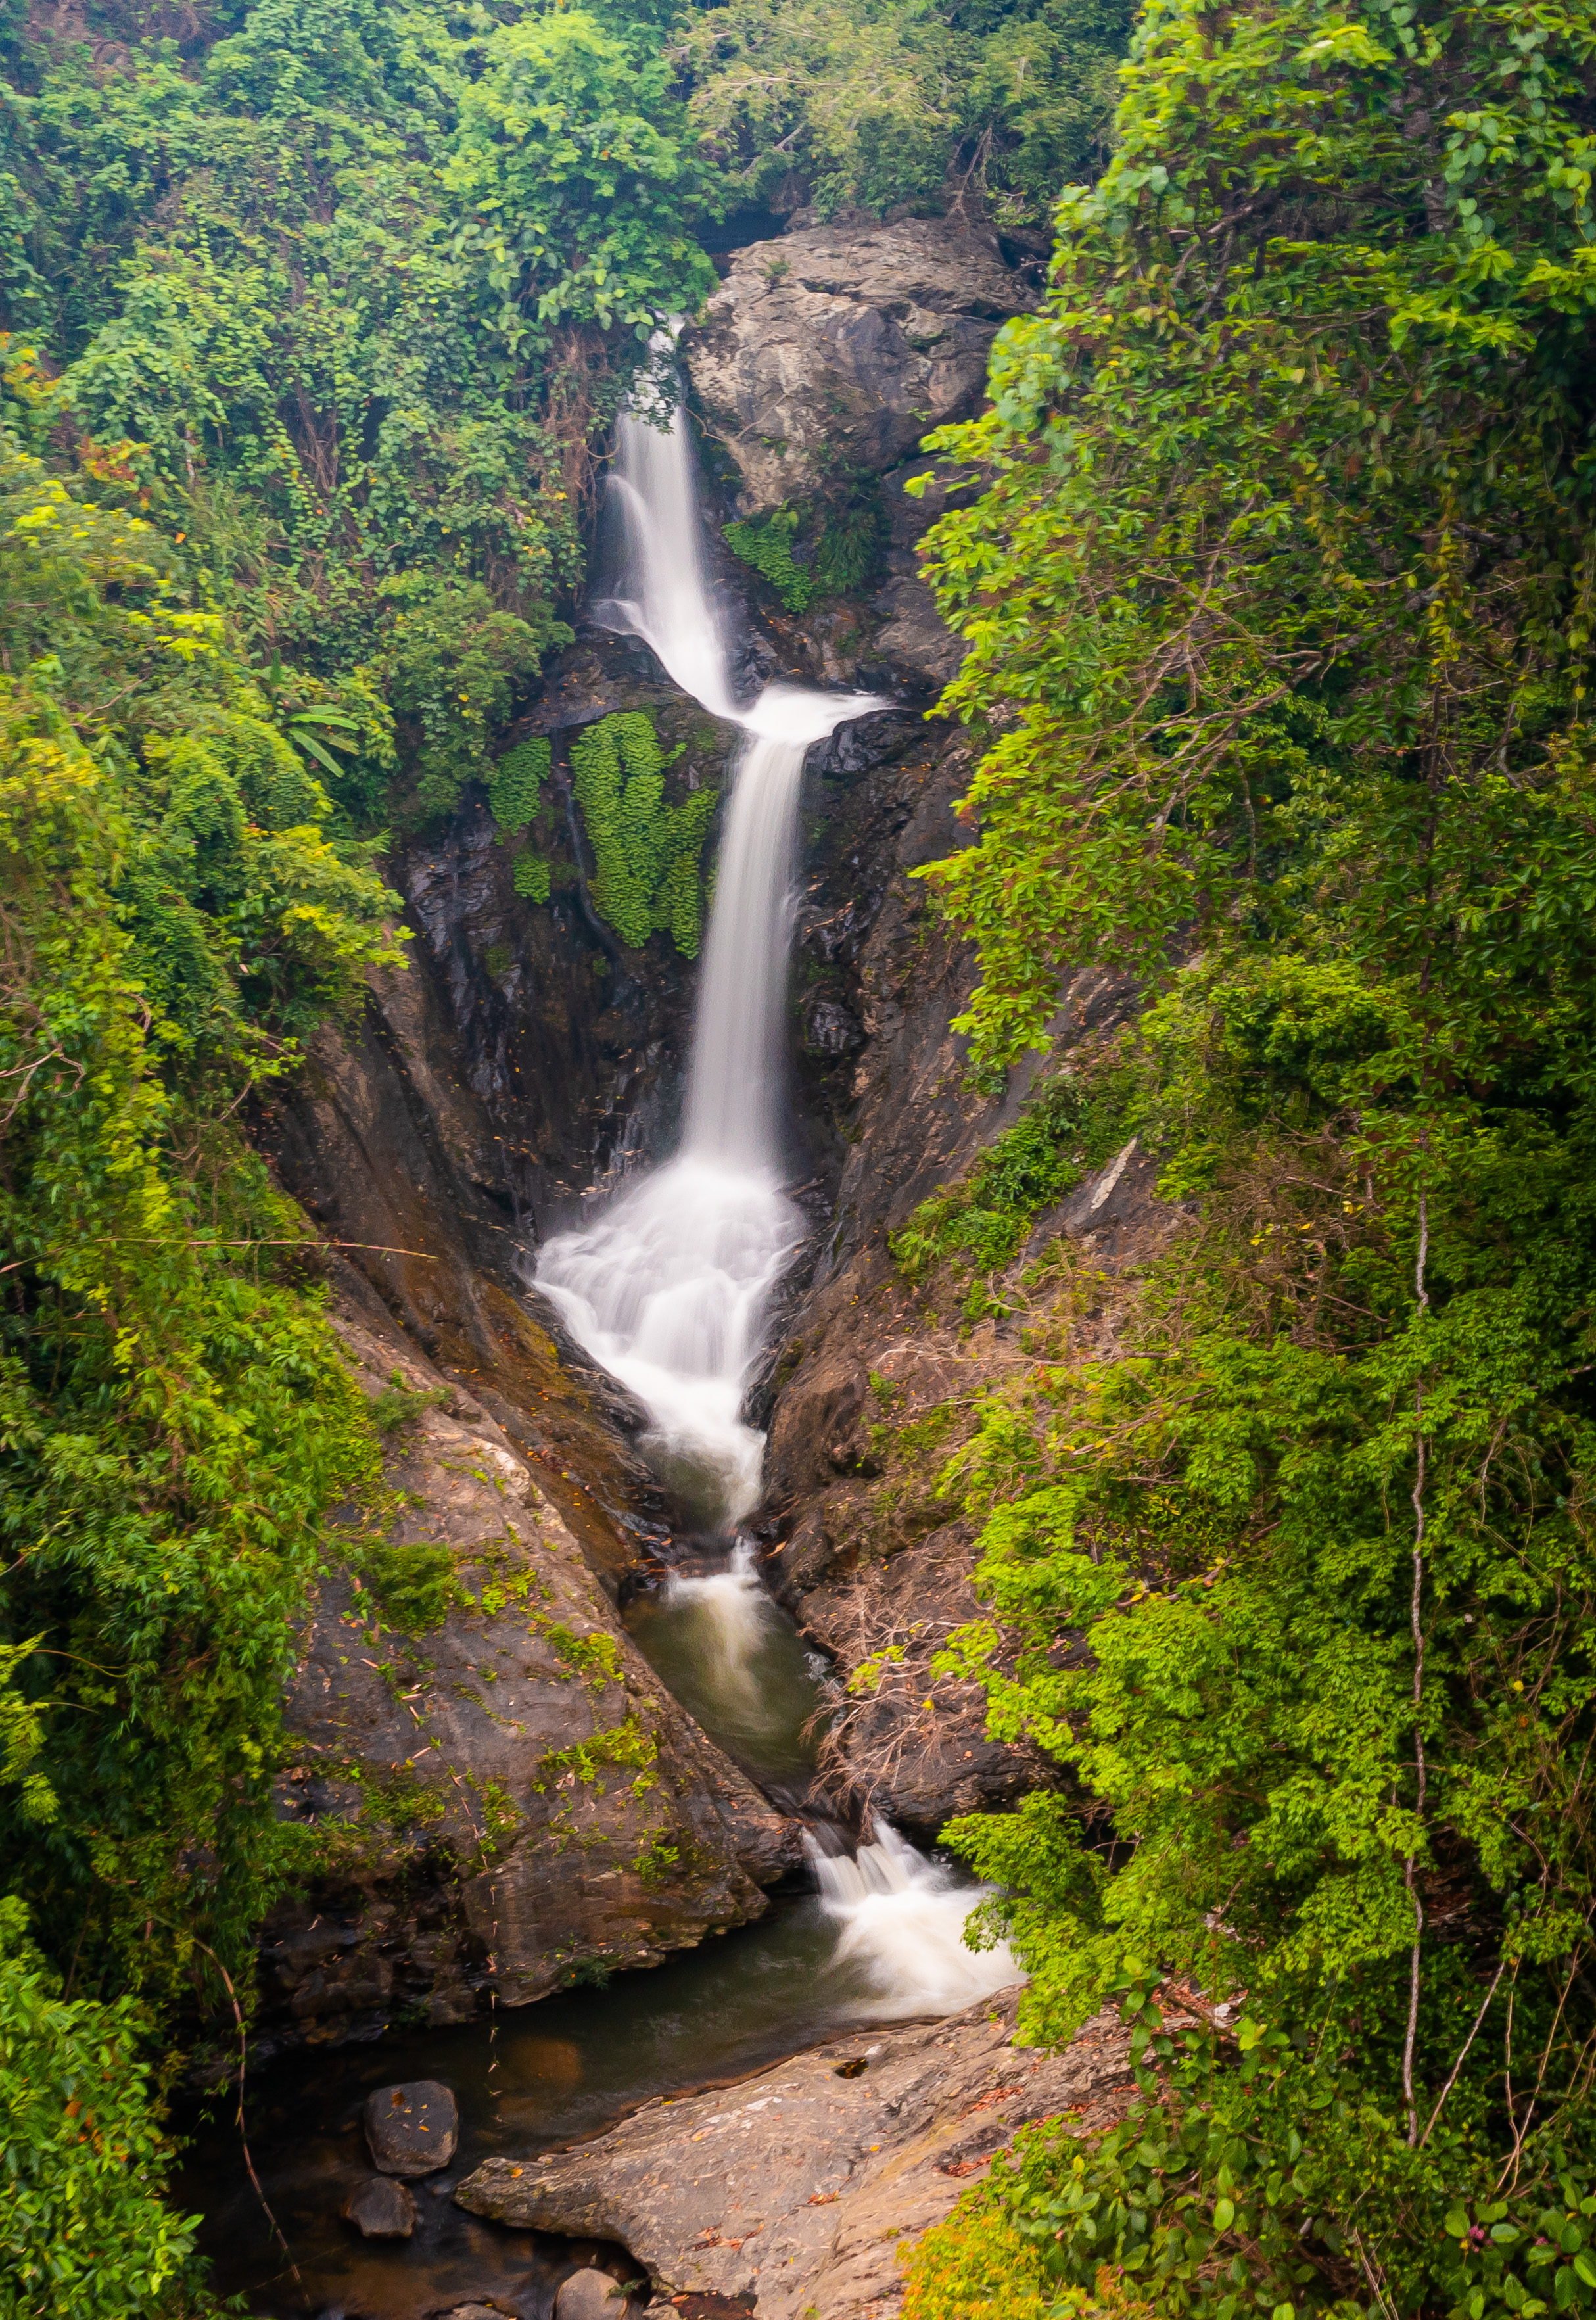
<point>670,1288</point>
<point>902,1921</point>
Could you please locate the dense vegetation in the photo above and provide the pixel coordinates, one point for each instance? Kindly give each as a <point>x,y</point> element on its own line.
<point>1277,561</point>
<point>176,910</point>
<point>314,315</point>
<point>1278,573</point>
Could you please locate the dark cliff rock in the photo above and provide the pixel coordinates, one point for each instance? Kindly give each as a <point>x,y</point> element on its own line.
<point>499,1797</point>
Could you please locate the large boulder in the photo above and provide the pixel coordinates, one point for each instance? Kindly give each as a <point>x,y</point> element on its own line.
<point>591,2294</point>
<point>502,1790</point>
<point>840,345</point>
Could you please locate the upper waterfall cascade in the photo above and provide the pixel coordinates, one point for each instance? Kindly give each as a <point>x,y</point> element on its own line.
<point>669,1289</point>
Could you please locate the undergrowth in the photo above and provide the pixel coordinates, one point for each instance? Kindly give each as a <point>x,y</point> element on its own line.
<point>1073,1124</point>
<point>811,552</point>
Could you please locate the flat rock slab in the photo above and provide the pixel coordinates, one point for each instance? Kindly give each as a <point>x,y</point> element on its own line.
<point>792,2190</point>
<point>412,2129</point>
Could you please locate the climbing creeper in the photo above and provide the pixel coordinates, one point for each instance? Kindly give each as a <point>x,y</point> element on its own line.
<point>646,852</point>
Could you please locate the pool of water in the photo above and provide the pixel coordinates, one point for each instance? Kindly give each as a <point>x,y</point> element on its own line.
<point>737,1665</point>
<point>542,2075</point>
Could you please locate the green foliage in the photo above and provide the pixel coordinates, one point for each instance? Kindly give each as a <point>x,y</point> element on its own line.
<point>574,186</point>
<point>1264,2180</point>
<point>1278,595</point>
<point>848,546</point>
<point>450,663</point>
<point>83,2230</point>
<point>594,1658</point>
<point>347,292</point>
<point>979,2264</point>
<point>517,779</point>
<point>840,545</point>
<point>1071,1125</point>
<point>646,852</point>
<point>660,1860</point>
<point>22,1738</point>
<point>399,1405</point>
<point>765,543</point>
<point>415,1582</point>
<point>875,102</point>
<point>533,876</point>
<point>179,909</point>
<point>627,1746</point>
<point>1381,414</point>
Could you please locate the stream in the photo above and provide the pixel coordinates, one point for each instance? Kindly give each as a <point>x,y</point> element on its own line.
<point>669,1288</point>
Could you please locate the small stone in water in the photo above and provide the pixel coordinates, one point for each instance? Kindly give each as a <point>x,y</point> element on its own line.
<point>412,2129</point>
<point>381,2209</point>
<point>589,2296</point>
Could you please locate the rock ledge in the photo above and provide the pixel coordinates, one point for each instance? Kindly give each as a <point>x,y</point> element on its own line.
<point>797,2186</point>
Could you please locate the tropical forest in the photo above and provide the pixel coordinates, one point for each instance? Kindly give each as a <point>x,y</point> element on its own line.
<point>798,1159</point>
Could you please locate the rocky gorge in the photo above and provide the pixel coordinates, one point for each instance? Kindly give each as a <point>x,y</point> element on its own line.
<point>503,1797</point>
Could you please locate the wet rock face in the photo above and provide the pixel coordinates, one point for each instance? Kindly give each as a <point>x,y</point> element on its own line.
<point>411,2130</point>
<point>500,1793</point>
<point>843,344</point>
<point>522,1062</point>
<point>792,2190</point>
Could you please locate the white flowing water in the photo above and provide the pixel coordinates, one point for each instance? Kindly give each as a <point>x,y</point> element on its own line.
<point>902,1925</point>
<point>670,1287</point>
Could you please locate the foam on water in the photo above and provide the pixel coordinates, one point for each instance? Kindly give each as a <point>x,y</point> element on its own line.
<point>902,1921</point>
<point>732,1616</point>
<point>668,1290</point>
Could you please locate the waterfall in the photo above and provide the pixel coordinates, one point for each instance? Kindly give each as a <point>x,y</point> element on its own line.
<point>670,1288</point>
<point>651,488</point>
<point>901,1923</point>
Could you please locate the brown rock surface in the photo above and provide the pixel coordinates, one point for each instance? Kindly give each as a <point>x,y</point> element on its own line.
<point>846,344</point>
<point>504,1796</point>
<point>795,2188</point>
<point>591,2294</point>
<point>411,2129</point>
<point>380,2209</point>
